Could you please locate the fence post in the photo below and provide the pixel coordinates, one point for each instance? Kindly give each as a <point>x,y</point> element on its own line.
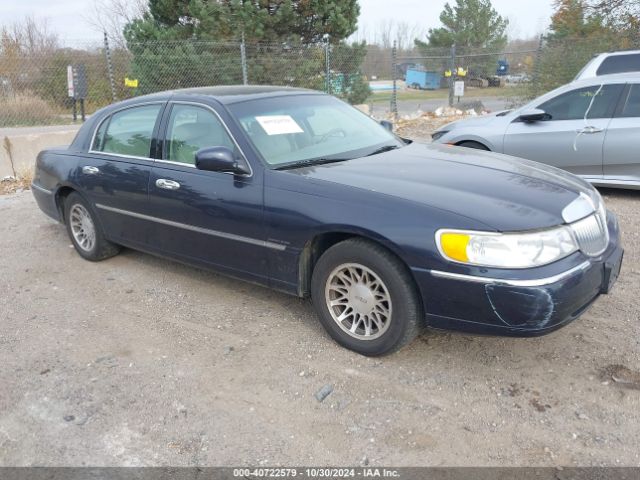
<point>536,66</point>
<point>327,65</point>
<point>107,53</point>
<point>394,72</point>
<point>243,59</point>
<point>452,68</point>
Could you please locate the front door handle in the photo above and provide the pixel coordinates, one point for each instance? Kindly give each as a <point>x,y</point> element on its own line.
<point>167,184</point>
<point>88,170</point>
<point>590,129</point>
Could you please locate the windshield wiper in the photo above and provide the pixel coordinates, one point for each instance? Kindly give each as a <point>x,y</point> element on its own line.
<point>386,148</point>
<point>309,163</point>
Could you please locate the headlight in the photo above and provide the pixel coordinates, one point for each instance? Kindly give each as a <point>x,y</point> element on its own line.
<point>506,250</point>
<point>437,135</point>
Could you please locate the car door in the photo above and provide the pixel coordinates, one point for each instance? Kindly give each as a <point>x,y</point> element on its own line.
<point>572,135</point>
<point>204,216</point>
<point>114,174</point>
<point>622,142</point>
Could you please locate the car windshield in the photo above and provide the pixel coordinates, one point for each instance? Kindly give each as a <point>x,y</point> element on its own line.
<point>300,130</point>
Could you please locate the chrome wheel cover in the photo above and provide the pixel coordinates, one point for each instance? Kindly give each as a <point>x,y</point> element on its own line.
<point>358,301</point>
<point>82,227</point>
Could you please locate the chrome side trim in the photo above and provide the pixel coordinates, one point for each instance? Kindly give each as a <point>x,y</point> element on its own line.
<point>119,155</point>
<point>179,164</point>
<point>193,228</point>
<point>42,189</point>
<point>536,282</point>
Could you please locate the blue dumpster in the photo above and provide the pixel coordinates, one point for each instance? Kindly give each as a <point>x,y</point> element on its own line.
<point>422,80</point>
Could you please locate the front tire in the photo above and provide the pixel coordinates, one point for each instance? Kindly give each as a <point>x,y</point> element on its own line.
<point>84,230</point>
<point>366,298</point>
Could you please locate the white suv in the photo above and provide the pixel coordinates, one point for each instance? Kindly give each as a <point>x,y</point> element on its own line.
<point>611,62</point>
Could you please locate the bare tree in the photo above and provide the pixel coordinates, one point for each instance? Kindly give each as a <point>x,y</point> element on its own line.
<point>620,14</point>
<point>112,15</point>
<point>387,31</point>
<point>28,37</point>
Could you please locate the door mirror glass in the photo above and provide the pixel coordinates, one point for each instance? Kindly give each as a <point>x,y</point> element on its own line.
<point>218,159</point>
<point>533,115</point>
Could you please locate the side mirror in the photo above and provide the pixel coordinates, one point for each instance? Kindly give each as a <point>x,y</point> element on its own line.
<point>387,124</point>
<point>533,115</point>
<point>219,159</point>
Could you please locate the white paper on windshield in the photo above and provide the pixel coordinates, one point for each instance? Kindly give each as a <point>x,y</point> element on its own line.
<point>279,124</point>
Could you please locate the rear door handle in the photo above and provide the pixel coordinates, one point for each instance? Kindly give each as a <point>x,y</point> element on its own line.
<point>88,170</point>
<point>167,184</point>
<point>590,129</point>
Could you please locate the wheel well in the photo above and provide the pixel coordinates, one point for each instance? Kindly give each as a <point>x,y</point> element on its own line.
<point>480,144</point>
<point>61,195</point>
<point>314,249</point>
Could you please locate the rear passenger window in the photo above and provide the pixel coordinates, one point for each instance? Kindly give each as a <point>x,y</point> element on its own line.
<point>128,132</point>
<point>619,64</point>
<point>632,105</point>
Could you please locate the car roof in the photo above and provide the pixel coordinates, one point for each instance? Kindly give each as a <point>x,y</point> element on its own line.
<point>228,94</point>
<point>618,52</point>
<point>611,78</point>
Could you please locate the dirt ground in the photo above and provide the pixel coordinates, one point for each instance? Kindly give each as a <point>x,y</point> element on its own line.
<point>141,361</point>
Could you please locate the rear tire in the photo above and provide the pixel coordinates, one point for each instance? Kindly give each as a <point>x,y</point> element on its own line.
<point>357,282</point>
<point>85,231</point>
<point>471,144</point>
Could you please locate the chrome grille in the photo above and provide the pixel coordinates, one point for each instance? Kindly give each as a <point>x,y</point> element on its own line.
<point>592,233</point>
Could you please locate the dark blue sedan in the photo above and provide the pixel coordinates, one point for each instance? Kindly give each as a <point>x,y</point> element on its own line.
<point>298,191</point>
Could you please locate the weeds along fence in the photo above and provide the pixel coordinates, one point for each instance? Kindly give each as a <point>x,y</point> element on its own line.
<point>34,83</point>
<point>34,80</point>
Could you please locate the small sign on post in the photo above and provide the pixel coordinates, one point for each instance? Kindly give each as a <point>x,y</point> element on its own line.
<point>77,87</point>
<point>458,89</point>
<point>70,86</point>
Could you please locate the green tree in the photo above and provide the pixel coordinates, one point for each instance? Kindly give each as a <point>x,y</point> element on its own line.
<point>472,26</point>
<point>572,20</point>
<point>469,23</point>
<point>304,21</point>
<point>181,43</point>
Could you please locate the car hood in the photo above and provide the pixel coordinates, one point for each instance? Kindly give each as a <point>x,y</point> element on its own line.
<point>503,192</point>
<point>480,121</point>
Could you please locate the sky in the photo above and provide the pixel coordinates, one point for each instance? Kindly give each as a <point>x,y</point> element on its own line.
<point>68,17</point>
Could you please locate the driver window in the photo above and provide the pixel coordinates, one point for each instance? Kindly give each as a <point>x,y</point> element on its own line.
<point>573,105</point>
<point>190,129</point>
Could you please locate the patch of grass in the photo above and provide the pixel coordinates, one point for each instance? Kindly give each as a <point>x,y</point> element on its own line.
<point>26,109</point>
<point>443,94</point>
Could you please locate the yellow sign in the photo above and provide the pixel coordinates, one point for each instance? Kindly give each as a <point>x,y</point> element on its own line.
<point>131,82</point>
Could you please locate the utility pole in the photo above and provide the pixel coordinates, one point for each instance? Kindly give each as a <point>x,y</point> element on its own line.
<point>243,59</point>
<point>452,68</point>
<point>107,53</point>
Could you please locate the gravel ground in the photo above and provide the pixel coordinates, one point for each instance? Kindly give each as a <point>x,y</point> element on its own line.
<point>141,361</point>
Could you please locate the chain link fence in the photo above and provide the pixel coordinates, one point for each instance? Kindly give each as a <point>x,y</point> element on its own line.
<point>493,80</point>
<point>34,84</point>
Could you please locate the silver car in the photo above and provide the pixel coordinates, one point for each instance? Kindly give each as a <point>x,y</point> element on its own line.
<point>589,127</point>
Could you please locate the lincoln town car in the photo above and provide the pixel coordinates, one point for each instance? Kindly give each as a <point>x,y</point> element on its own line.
<point>295,190</point>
